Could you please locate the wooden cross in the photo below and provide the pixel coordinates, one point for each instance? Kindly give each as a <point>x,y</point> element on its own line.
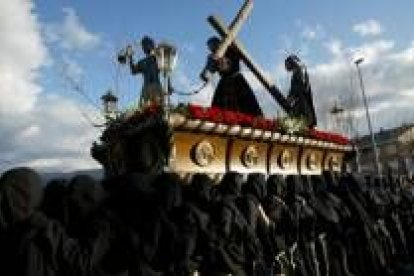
<point>233,29</point>
<point>229,38</point>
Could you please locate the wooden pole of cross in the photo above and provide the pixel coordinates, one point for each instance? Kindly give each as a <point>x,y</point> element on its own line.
<point>234,29</point>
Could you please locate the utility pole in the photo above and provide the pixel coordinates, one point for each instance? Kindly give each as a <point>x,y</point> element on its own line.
<point>373,143</point>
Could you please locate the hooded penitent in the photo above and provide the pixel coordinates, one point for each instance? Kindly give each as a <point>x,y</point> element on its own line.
<point>20,194</point>
<point>30,243</point>
<point>54,194</point>
<point>231,184</point>
<point>84,197</point>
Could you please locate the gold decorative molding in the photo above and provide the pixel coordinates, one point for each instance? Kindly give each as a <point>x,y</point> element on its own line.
<point>207,126</point>
<point>234,130</point>
<point>194,150</point>
<point>276,136</point>
<point>246,132</point>
<point>221,128</point>
<point>192,124</point>
<point>267,134</point>
<point>176,120</point>
<point>201,146</point>
<point>257,133</point>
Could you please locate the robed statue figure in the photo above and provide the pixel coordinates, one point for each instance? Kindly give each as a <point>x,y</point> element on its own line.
<point>232,92</point>
<point>300,94</point>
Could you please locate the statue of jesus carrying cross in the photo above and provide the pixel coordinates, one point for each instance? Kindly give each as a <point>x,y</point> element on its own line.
<point>233,92</point>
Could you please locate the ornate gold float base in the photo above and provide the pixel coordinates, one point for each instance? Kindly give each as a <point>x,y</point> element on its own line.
<point>189,146</point>
<point>193,152</point>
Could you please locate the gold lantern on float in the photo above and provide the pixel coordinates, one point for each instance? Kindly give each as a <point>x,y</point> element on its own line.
<point>110,105</point>
<point>166,55</point>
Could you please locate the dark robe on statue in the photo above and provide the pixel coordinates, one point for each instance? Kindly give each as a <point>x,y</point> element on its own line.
<point>233,92</point>
<point>300,97</point>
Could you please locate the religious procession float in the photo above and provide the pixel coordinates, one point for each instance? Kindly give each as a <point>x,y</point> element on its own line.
<point>225,137</point>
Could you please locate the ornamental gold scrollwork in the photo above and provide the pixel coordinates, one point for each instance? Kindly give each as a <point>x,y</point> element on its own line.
<point>311,161</point>
<point>250,156</point>
<point>203,153</point>
<point>285,159</point>
<point>334,163</point>
<point>173,153</point>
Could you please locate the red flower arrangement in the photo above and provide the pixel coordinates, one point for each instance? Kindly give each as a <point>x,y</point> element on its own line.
<point>329,137</point>
<point>148,111</point>
<point>218,115</point>
<point>228,117</point>
<point>197,112</point>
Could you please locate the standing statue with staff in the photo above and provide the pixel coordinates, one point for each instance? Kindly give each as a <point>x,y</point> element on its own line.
<point>152,92</point>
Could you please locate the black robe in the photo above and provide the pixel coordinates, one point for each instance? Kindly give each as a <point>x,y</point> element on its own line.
<point>233,92</point>
<point>31,244</point>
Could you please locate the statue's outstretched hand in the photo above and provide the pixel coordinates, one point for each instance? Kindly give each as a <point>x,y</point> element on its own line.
<point>204,76</point>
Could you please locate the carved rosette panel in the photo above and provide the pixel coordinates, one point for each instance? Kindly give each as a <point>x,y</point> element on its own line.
<point>203,153</point>
<point>248,156</point>
<point>283,159</point>
<point>195,152</point>
<point>198,153</point>
<point>311,161</point>
<point>333,161</point>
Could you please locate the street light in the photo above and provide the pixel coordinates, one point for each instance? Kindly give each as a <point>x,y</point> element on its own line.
<point>374,144</point>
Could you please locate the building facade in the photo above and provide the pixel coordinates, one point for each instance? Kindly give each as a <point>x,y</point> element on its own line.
<point>395,148</point>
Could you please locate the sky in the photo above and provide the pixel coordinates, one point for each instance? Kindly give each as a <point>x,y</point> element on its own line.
<point>57,57</point>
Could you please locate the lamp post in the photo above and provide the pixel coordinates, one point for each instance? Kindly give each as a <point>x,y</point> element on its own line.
<point>166,55</point>
<point>110,108</point>
<point>374,144</point>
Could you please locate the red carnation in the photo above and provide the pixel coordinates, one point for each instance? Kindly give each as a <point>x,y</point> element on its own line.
<point>197,112</point>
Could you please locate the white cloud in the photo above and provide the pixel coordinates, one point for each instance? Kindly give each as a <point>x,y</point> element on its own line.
<point>387,74</point>
<point>335,48</point>
<point>372,51</point>
<point>312,32</point>
<point>368,28</point>
<point>39,129</point>
<point>22,54</point>
<point>53,130</point>
<point>71,34</point>
<point>70,69</point>
<point>406,56</point>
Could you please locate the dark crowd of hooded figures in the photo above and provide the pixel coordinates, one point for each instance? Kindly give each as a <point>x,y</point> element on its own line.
<point>135,224</point>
